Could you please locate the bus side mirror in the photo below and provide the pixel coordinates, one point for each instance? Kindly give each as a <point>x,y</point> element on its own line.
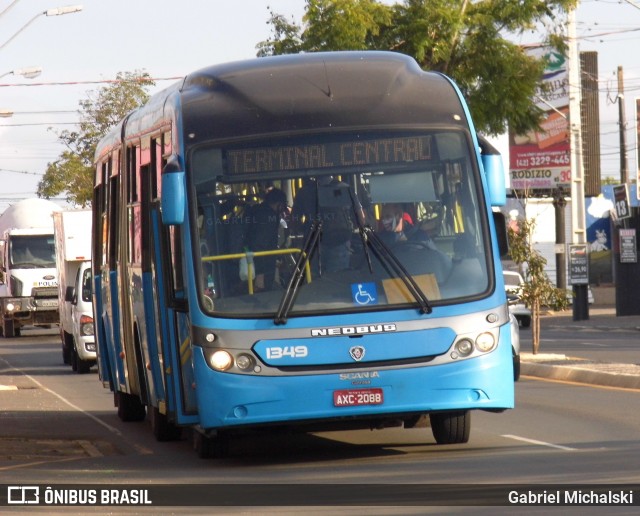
<point>494,172</point>
<point>174,198</point>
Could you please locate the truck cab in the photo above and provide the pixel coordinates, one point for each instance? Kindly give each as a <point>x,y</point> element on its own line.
<point>28,294</point>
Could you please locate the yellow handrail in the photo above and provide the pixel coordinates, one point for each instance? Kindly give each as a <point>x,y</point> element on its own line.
<point>239,256</point>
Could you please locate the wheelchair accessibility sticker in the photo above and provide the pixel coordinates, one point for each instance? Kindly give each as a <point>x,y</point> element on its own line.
<point>364,294</point>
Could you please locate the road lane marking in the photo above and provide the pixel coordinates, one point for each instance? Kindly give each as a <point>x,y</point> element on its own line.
<point>38,463</point>
<point>142,450</point>
<point>539,443</point>
<point>89,448</point>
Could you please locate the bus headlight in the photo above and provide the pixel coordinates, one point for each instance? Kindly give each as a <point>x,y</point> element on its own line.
<point>464,347</point>
<point>485,342</point>
<point>244,362</point>
<point>473,344</point>
<point>221,360</point>
<point>11,307</point>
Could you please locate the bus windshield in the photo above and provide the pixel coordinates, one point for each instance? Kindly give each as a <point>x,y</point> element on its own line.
<point>339,224</point>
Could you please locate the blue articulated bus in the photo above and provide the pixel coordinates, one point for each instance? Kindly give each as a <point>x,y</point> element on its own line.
<point>303,241</point>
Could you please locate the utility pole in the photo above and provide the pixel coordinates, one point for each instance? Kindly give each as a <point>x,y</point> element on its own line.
<point>559,203</point>
<point>578,222</point>
<point>624,171</point>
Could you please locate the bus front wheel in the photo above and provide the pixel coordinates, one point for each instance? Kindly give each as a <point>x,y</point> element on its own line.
<point>451,427</point>
<point>215,447</point>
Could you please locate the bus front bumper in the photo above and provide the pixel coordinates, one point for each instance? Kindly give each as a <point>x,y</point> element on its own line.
<point>231,400</point>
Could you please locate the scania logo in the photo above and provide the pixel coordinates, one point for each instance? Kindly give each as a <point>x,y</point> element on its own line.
<point>357,353</point>
<point>49,277</point>
<point>360,376</point>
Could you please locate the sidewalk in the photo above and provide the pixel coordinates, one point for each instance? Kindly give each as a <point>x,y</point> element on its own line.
<point>580,370</point>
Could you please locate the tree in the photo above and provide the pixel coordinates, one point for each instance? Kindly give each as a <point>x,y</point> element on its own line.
<point>538,290</point>
<point>72,172</point>
<point>466,40</point>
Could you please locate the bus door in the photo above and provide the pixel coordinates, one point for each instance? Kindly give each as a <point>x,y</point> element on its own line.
<point>170,320</point>
<point>173,322</point>
<point>101,295</point>
<point>146,310</point>
<point>131,274</point>
<point>110,300</point>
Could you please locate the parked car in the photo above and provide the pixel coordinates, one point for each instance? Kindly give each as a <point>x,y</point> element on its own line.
<point>513,285</point>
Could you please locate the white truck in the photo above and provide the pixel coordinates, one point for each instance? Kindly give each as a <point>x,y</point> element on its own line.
<point>72,230</point>
<point>29,288</point>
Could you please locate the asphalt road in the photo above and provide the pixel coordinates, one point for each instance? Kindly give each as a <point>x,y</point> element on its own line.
<point>57,427</point>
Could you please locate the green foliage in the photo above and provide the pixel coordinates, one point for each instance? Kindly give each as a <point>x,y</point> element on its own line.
<point>468,41</point>
<point>538,291</point>
<point>286,38</point>
<point>72,172</point>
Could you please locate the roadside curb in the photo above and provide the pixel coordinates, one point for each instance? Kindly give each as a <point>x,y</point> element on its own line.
<point>8,388</point>
<point>588,373</point>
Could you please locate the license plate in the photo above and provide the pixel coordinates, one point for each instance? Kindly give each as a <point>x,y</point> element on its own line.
<point>47,303</point>
<point>355,397</point>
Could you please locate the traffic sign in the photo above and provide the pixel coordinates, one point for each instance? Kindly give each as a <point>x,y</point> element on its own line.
<point>621,201</point>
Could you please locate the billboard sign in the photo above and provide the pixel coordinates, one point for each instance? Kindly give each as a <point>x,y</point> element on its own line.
<point>540,160</point>
<point>638,148</point>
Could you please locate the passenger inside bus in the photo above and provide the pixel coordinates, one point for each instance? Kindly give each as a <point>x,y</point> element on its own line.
<point>332,202</point>
<point>262,235</point>
<point>395,224</point>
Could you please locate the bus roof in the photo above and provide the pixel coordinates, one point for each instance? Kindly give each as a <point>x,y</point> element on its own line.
<point>317,91</point>
<point>323,91</point>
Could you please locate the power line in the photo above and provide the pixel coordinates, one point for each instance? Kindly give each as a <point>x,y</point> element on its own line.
<point>21,172</point>
<point>74,83</point>
<point>39,123</point>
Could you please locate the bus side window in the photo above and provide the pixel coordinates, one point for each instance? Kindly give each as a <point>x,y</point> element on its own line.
<point>175,250</point>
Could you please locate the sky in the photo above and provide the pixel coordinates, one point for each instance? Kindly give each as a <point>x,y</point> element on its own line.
<point>170,38</point>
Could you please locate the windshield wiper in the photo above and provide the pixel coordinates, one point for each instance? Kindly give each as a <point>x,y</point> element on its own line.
<point>387,257</point>
<point>26,265</point>
<point>310,245</point>
<point>371,240</point>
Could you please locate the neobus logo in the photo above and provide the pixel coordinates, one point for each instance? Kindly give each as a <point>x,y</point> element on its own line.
<point>353,330</point>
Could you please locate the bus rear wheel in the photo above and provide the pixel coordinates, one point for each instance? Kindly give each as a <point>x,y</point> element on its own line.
<point>130,408</point>
<point>451,427</point>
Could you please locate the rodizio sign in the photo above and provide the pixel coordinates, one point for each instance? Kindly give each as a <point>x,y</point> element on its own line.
<point>329,155</point>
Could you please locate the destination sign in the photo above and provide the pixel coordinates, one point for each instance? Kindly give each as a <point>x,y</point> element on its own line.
<point>329,155</point>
